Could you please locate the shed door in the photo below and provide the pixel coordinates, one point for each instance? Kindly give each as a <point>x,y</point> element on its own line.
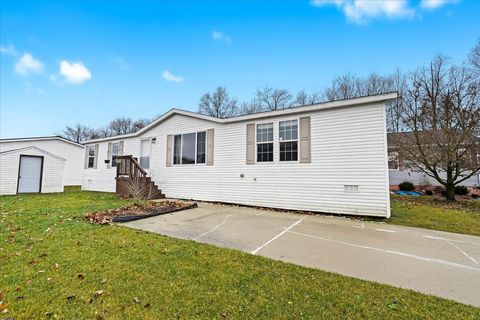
<point>30,174</point>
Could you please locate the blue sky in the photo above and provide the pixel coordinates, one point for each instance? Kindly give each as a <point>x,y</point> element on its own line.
<point>89,62</point>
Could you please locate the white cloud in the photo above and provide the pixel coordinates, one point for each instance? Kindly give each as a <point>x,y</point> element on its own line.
<point>27,65</point>
<point>74,72</point>
<point>170,77</point>
<point>361,11</point>
<point>8,50</point>
<point>218,36</point>
<point>435,4</point>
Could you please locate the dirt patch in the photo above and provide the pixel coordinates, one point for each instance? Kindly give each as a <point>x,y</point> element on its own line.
<point>139,211</point>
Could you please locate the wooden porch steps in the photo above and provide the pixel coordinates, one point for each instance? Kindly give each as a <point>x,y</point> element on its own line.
<point>132,180</point>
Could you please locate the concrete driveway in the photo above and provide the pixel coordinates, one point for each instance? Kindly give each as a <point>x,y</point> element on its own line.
<point>433,262</point>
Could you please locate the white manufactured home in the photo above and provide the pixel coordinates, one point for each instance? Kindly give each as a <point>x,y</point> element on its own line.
<point>328,157</point>
<point>71,151</point>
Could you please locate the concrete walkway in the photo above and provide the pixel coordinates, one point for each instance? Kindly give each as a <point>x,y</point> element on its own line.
<point>433,262</point>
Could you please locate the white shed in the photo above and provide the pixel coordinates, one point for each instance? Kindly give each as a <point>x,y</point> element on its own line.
<point>71,151</point>
<point>30,170</point>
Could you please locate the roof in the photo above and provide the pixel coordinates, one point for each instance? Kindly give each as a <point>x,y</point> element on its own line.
<point>380,98</point>
<point>41,139</point>
<point>32,147</point>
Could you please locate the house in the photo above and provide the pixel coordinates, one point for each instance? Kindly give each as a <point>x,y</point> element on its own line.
<point>327,157</point>
<point>399,170</point>
<point>70,151</point>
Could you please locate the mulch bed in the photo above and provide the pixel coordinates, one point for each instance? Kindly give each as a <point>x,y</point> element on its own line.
<point>138,211</point>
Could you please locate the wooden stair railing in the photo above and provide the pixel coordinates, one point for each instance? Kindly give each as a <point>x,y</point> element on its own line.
<point>130,174</point>
<point>128,166</point>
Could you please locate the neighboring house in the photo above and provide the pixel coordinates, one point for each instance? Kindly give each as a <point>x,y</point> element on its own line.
<point>328,157</point>
<point>71,151</point>
<point>400,172</point>
<point>30,170</point>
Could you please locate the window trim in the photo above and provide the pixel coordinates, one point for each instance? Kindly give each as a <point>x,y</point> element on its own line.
<point>181,149</point>
<point>272,142</point>
<point>291,140</point>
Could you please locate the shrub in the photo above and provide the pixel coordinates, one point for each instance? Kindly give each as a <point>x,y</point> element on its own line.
<point>406,186</point>
<point>461,190</point>
<point>429,193</point>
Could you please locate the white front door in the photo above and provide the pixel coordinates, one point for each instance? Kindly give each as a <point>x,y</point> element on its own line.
<point>30,174</point>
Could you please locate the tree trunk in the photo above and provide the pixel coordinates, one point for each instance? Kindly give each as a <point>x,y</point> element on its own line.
<point>450,192</point>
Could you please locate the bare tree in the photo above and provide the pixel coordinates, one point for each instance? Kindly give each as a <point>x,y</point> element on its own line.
<point>397,82</point>
<point>350,86</point>
<point>344,87</point>
<point>474,57</point>
<point>138,188</point>
<point>218,104</point>
<point>440,112</point>
<point>251,107</point>
<point>273,99</point>
<point>104,132</point>
<point>303,98</point>
<point>121,125</point>
<point>78,133</point>
<point>139,124</point>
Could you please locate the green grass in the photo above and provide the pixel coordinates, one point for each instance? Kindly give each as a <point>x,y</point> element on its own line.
<point>437,214</point>
<point>52,262</point>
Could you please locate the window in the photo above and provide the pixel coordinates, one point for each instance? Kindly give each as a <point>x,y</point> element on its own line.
<point>201,143</point>
<point>91,156</point>
<point>265,142</point>
<point>177,143</point>
<point>145,147</point>
<point>288,137</point>
<point>115,151</point>
<point>393,161</point>
<point>189,148</point>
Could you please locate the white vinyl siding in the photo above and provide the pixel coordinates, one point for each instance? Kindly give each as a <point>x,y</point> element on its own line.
<point>348,147</point>
<point>72,153</point>
<point>52,175</point>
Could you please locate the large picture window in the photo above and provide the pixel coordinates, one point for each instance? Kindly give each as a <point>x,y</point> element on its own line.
<point>288,139</point>
<point>265,142</point>
<point>189,148</point>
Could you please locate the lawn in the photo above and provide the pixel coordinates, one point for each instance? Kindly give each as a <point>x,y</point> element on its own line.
<point>54,264</point>
<point>433,213</point>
